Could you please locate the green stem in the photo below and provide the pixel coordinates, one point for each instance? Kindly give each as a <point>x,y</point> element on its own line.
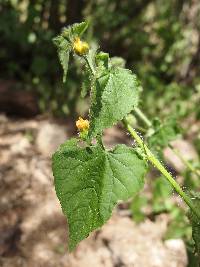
<point>185,162</point>
<point>141,129</point>
<point>161,168</point>
<point>143,117</point>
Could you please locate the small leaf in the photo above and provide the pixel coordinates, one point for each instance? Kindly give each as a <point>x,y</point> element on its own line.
<point>79,28</point>
<point>86,83</point>
<point>195,221</point>
<point>89,181</point>
<point>63,48</point>
<point>61,43</point>
<point>64,60</point>
<point>114,95</point>
<point>117,62</point>
<point>74,30</point>
<point>102,59</point>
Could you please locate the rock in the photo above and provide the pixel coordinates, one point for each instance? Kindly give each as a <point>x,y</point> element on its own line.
<point>185,149</point>
<point>177,250</point>
<point>98,257</point>
<point>49,137</point>
<point>41,171</point>
<point>21,147</point>
<point>121,242</point>
<point>141,245</point>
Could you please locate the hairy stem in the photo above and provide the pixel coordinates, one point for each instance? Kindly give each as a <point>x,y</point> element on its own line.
<point>161,168</point>
<point>143,117</point>
<point>148,123</point>
<point>185,162</point>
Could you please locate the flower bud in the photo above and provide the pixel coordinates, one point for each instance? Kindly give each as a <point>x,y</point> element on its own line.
<point>82,125</point>
<point>80,47</point>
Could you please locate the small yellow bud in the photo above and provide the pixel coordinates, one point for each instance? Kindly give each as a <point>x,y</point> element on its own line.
<point>80,47</point>
<point>82,125</point>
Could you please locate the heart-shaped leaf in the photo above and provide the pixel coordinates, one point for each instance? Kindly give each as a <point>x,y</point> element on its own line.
<point>89,181</point>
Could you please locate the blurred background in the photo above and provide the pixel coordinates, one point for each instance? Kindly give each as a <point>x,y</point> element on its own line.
<point>160,41</point>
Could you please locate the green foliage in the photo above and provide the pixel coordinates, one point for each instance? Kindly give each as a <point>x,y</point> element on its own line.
<point>159,201</point>
<point>156,37</point>
<point>162,191</point>
<point>86,84</point>
<point>63,48</point>
<point>64,41</point>
<point>79,28</point>
<point>178,226</point>
<point>100,178</point>
<point>162,133</point>
<point>114,95</point>
<point>137,206</point>
<point>74,30</point>
<point>89,181</point>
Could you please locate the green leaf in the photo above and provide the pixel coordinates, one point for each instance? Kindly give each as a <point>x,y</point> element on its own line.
<point>102,59</point>
<point>63,48</point>
<point>89,181</point>
<point>114,95</point>
<point>61,43</point>
<point>118,62</point>
<point>195,221</point>
<point>64,61</point>
<point>86,83</point>
<point>74,30</point>
<point>88,78</point>
<point>79,28</point>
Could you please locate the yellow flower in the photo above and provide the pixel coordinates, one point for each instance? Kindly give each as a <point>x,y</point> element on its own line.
<point>80,47</point>
<point>82,125</point>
